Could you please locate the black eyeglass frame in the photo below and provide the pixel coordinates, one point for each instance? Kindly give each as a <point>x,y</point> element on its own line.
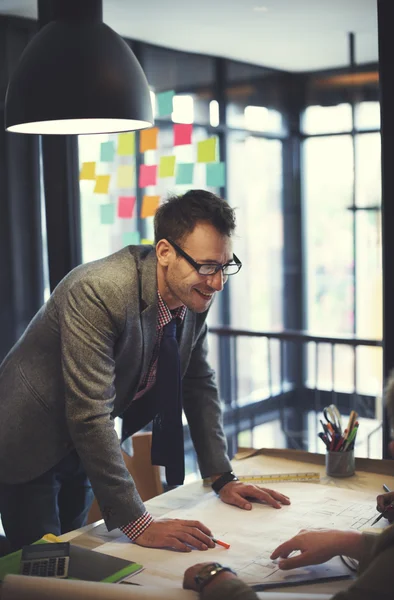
<point>197,266</point>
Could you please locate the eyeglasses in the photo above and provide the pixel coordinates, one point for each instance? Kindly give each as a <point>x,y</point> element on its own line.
<point>230,268</point>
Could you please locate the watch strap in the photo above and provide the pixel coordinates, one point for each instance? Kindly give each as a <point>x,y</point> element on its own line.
<point>221,481</point>
<point>209,572</point>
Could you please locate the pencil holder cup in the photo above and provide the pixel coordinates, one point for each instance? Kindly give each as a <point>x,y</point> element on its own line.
<point>340,464</point>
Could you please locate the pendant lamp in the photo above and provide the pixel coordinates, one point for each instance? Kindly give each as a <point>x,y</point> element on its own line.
<point>77,76</point>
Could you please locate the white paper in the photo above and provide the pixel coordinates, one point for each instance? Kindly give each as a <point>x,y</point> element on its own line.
<point>254,534</point>
<point>20,587</point>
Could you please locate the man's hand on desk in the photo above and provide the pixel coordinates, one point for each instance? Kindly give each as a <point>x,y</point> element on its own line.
<point>240,494</point>
<point>179,534</point>
<point>318,546</point>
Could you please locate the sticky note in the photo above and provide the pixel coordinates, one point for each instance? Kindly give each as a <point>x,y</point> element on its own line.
<point>88,171</point>
<point>215,174</point>
<point>182,134</point>
<point>164,103</point>
<point>126,206</point>
<point>184,173</point>
<point>167,166</point>
<point>148,175</point>
<point>107,214</point>
<point>126,144</point>
<point>149,206</point>
<point>125,176</point>
<point>107,151</point>
<point>131,238</point>
<point>146,242</point>
<point>102,184</point>
<point>206,150</point>
<point>148,139</point>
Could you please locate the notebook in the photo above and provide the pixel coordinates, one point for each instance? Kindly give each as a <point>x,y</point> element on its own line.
<point>94,566</point>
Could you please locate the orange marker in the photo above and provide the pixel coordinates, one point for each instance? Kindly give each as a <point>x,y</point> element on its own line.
<point>220,543</point>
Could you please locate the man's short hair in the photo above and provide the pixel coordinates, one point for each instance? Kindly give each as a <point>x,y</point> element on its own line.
<point>178,215</point>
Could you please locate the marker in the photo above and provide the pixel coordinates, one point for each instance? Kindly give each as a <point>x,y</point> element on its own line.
<point>220,543</point>
<point>351,437</point>
<point>386,488</point>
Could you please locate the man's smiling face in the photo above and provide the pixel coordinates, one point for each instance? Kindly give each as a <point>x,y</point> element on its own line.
<point>179,282</point>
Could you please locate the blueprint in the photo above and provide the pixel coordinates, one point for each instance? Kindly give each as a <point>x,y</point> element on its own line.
<point>253,535</point>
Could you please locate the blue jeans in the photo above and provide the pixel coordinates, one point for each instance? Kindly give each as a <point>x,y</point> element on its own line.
<point>56,502</point>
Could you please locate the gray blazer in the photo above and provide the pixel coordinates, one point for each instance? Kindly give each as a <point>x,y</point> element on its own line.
<point>79,364</point>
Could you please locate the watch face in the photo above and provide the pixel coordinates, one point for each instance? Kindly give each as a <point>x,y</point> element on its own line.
<point>207,571</point>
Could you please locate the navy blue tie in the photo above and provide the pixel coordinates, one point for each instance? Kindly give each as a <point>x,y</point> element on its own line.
<point>167,429</point>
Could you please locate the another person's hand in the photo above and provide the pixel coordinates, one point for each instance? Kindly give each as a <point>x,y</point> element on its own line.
<point>179,534</point>
<point>383,501</point>
<point>318,546</point>
<point>240,494</point>
<point>189,582</point>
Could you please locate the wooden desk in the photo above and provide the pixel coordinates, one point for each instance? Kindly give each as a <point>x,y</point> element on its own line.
<point>369,477</point>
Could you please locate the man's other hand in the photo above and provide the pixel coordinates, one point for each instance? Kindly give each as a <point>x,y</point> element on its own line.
<point>317,546</point>
<point>383,501</point>
<point>241,494</point>
<point>178,534</point>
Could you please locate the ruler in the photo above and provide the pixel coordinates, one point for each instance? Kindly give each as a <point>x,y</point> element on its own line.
<point>309,477</point>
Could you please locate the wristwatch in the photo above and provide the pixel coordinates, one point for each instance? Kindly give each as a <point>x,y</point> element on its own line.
<point>223,480</point>
<point>209,572</point>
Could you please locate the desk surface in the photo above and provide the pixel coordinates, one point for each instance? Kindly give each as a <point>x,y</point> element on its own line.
<point>267,462</point>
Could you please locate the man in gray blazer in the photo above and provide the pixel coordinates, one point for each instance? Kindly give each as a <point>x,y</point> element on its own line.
<point>90,355</point>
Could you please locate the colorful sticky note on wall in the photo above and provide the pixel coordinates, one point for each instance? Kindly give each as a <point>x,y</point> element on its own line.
<point>126,144</point>
<point>206,150</point>
<point>183,134</point>
<point>149,206</point>
<point>131,238</point>
<point>184,173</point>
<point>107,214</point>
<point>102,184</point>
<point>146,242</point>
<point>148,139</point>
<point>126,206</point>
<point>107,151</point>
<point>167,166</point>
<point>148,175</point>
<point>125,177</point>
<point>164,103</point>
<point>216,174</point>
<point>88,171</point>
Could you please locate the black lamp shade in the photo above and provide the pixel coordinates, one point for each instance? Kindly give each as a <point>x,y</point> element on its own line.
<point>77,78</point>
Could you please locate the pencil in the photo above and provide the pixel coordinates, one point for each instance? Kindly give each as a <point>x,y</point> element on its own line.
<point>386,488</point>
<point>384,513</point>
<point>220,543</point>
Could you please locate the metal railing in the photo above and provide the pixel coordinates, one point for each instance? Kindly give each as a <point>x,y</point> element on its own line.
<point>265,376</point>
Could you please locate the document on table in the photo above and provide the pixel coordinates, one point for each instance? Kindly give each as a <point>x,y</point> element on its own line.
<point>254,534</point>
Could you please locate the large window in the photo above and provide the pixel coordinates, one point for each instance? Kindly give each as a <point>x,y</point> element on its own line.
<point>328,185</point>
<point>255,188</point>
<point>342,210</point>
